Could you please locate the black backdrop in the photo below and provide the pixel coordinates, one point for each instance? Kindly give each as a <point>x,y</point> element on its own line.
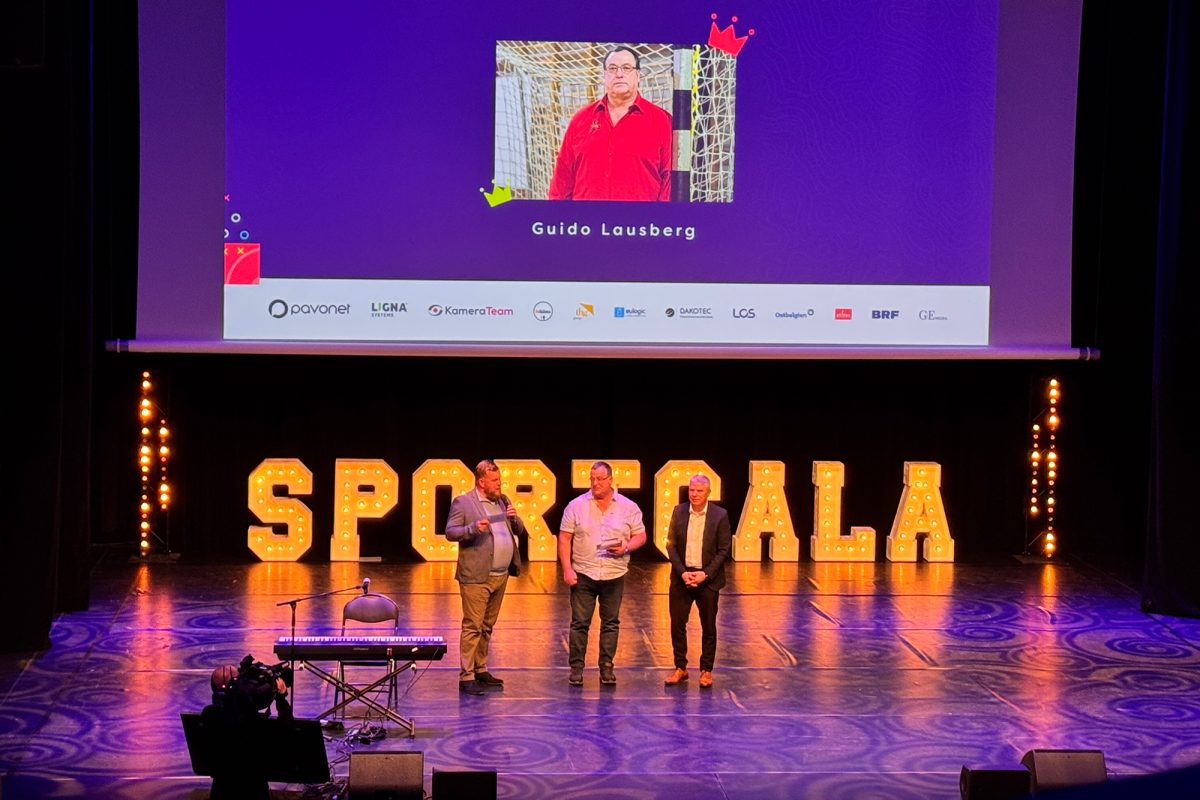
<point>71,152</point>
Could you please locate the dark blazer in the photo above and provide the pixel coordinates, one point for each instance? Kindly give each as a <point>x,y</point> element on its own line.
<point>718,542</point>
<point>475,548</point>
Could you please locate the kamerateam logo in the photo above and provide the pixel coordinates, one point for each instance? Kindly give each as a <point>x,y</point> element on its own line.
<point>436,310</point>
<point>281,308</point>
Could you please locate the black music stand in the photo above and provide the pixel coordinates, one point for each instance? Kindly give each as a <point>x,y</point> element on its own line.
<point>288,751</point>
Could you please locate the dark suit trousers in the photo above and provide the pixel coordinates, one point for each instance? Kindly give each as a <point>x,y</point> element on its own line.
<point>681,599</point>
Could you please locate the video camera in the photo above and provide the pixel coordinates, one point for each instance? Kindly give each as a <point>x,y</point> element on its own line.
<point>256,671</point>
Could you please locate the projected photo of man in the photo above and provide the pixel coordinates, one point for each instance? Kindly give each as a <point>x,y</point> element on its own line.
<point>618,148</point>
<point>614,121</point>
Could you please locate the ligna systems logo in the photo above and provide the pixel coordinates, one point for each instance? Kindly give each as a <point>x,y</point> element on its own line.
<point>279,309</point>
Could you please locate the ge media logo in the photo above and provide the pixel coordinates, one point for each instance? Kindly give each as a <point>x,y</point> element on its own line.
<point>543,311</point>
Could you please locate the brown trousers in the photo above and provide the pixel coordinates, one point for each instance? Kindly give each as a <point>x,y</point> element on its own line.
<point>481,607</point>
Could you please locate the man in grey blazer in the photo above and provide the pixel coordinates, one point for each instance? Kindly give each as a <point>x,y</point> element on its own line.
<point>698,543</point>
<point>485,525</point>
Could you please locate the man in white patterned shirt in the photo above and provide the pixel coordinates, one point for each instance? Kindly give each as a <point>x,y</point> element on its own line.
<point>598,532</point>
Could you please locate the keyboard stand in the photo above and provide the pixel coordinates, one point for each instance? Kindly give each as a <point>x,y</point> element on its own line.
<point>352,693</point>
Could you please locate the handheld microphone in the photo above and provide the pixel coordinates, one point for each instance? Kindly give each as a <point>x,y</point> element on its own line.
<point>366,585</point>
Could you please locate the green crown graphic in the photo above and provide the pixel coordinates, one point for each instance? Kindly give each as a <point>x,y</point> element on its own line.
<point>498,195</point>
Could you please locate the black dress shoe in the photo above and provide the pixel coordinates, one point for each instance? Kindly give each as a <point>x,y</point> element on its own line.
<point>488,679</point>
<point>472,687</point>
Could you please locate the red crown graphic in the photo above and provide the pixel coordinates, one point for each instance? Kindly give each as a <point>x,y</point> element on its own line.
<point>725,39</point>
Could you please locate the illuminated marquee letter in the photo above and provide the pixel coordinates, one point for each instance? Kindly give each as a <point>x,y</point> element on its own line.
<point>297,479</point>
<point>921,511</point>
<point>531,487</point>
<point>627,474</point>
<point>667,481</point>
<point>366,489</point>
<point>827,542</point>
<point>429,544</point>
<point>766,511</point>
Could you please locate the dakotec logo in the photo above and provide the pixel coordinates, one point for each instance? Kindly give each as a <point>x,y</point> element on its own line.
<point>670,312</point>
<point>806,314</point>
<point>742,313</point>
<point>281,308</point>
<point>585,311</point>
<point>843,313</point>
<point>542,311</point>
<point>388,309</point>
<point>628,312</point>
<point>884,313</point>
<point>469,311</point>
<point>930,315</point>
<point>694,312</point>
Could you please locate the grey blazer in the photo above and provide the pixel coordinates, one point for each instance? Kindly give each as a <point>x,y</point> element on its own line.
<point>475,548</point>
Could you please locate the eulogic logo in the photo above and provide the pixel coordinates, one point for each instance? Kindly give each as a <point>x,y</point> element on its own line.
<point>436,310</point>
<point>808,313</point>
<point>388,309</point>
<point>742,313</point>
<point>542,311</point>
<point>281,308</point>
<point>627,312</point>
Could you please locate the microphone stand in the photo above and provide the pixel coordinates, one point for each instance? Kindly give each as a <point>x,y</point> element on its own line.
<point>296,601</point>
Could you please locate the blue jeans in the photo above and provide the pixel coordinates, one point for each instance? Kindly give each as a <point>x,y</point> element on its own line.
<point>583,604</point>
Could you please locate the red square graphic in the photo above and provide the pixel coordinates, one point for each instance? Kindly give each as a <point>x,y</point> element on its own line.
<point>242,263</point>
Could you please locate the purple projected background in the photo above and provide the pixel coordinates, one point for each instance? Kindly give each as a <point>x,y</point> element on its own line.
<point>358,137</point>
<point>182,94</point>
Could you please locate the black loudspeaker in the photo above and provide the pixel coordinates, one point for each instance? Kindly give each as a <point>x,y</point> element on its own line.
<point>994,784</point>
<point>1058,769</point>
<point>387,776</point>
<point>463,785</point>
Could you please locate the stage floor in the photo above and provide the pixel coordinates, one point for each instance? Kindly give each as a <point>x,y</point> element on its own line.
<point>832,680</point>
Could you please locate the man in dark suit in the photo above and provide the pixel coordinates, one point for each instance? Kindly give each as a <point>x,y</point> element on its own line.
<point>698,544</point>
<point>485,525</point>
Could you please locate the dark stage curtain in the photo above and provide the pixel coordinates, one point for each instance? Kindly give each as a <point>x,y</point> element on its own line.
<point>55,332</point>
<point>1173,535</point>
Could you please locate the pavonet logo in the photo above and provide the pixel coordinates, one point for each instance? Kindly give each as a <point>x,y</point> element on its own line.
<point>281,308</point>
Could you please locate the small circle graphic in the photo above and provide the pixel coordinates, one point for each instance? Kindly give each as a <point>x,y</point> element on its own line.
<point>542,311</point>
<point>278,309</point>
<point>670,312</point>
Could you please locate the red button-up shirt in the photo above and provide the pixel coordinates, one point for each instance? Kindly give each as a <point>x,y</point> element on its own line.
<point>627,161</point>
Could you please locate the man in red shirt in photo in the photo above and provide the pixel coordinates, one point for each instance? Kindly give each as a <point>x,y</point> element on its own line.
<point>618,148</point>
